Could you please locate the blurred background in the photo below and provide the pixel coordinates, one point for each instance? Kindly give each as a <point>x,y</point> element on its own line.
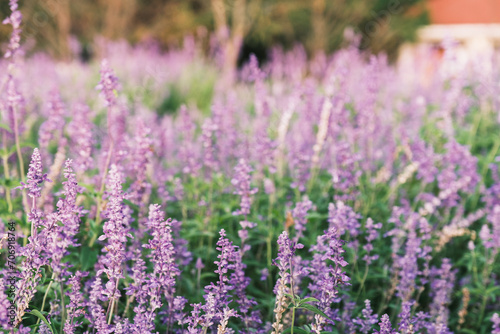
<point>56,25</point>
<point>65,28</point>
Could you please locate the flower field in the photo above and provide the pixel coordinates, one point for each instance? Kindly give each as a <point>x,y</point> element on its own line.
<point>149,192</point>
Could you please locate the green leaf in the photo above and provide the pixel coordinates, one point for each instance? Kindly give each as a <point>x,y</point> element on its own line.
<point>39,315</point>
<point>465,330</point>
<point>314,309</point>
<point>130,204</point>
<point>88,257</point>
<point>28,144</point>
<point>317,215</point>
<point>5,127</point>
<point>308,300</point>
<point>8,152</point>
<point>490,292</point>
<point>292,297</point>
<point>296,330</point>
<point>44,276</point>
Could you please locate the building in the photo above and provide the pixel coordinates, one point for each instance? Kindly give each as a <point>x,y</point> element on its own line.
<point>472,25</point>
<point>475,24</point>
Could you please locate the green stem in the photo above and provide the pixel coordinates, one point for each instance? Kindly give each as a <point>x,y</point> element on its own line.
<point>130,299</point>
<point>111,306</point>
<point>481,313</point>
<point>269,238</point>
<point>63,308</point>
<point>20,159</point>
<point>104,174</point>
<point>362,282</point>
<point>5,159</point>
<point>293,320</point>
<point>475,127</point>
<point>47,293</point>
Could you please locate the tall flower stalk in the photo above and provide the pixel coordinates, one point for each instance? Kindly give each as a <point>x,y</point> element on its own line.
<point>284,284</point>
<point>116,237</point>
<point>108,87</point>
<point>29,274</point>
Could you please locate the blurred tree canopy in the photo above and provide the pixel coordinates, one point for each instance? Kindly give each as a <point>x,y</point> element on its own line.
<point>252,25</point>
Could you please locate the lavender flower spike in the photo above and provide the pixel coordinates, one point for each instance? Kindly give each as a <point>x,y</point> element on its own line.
<point>385,326</point>
<point>75,307</point>
<point>286,252</point>
<point>220,291</point>
<point>496,324</point>
<point>327,277</point>
<point>15,20</point>
<point>163,257</point>
<point>115,234</point>
<point>299,214</point>
<point>108,84</point>
<point>369,319</point>
<point>241,181</point>
<point>4,306</point>
<point>35,176</point>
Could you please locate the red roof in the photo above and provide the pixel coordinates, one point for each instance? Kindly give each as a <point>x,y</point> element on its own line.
<point>464,11</point>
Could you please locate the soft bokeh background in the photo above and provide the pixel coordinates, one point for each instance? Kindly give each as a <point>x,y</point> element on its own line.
<point>254,25</point>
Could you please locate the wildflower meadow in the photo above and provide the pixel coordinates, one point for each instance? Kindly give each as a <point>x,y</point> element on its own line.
<point>150,191</point>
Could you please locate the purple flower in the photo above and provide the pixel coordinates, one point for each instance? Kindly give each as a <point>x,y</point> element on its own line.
<point>141,289</point>
<point>424,156</point>
<point>241,181</point>
<point>4,306</point>
<point>269,187</point>
<point>491,237</point>
<point>343,218</point>
<point>217,296</point>
<point>459,173</point>
<point>285,263</point>
<point>442,284</point>
<point>14,107</point>
<point>240,282</point>
<point>405,323</point>
<point>75,306</point>
<point>327,276</point>
<point>140,159</point>
<point>182,255</point>
<point>496,324</point>
<point>299,214</point>
<point>224,264</point>
<point>264,274</point>
<point>69,212</point>
<point>97,316</point>
<point>371,229</point>
<point>162,256</point>
<point>208,132</point>
<point>188,156</point>
<point>115,234</point>
<point>52,128</point>
<point>29,273</point>
<point>35,176</point>
<point>178,189</point>
<point>108,84</point>
<point>139,276</point>
<point>300,165</point>
<point>369,319</point>
<point>345,173</point>
<point>60,237</point>
<point>195,319</point>
<point>385,326</point>
<point>81,134</point>
<point>15,20</point>
<point>199,264</point>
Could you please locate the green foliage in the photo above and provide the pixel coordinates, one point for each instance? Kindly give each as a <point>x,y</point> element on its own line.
<point>383,24</point>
